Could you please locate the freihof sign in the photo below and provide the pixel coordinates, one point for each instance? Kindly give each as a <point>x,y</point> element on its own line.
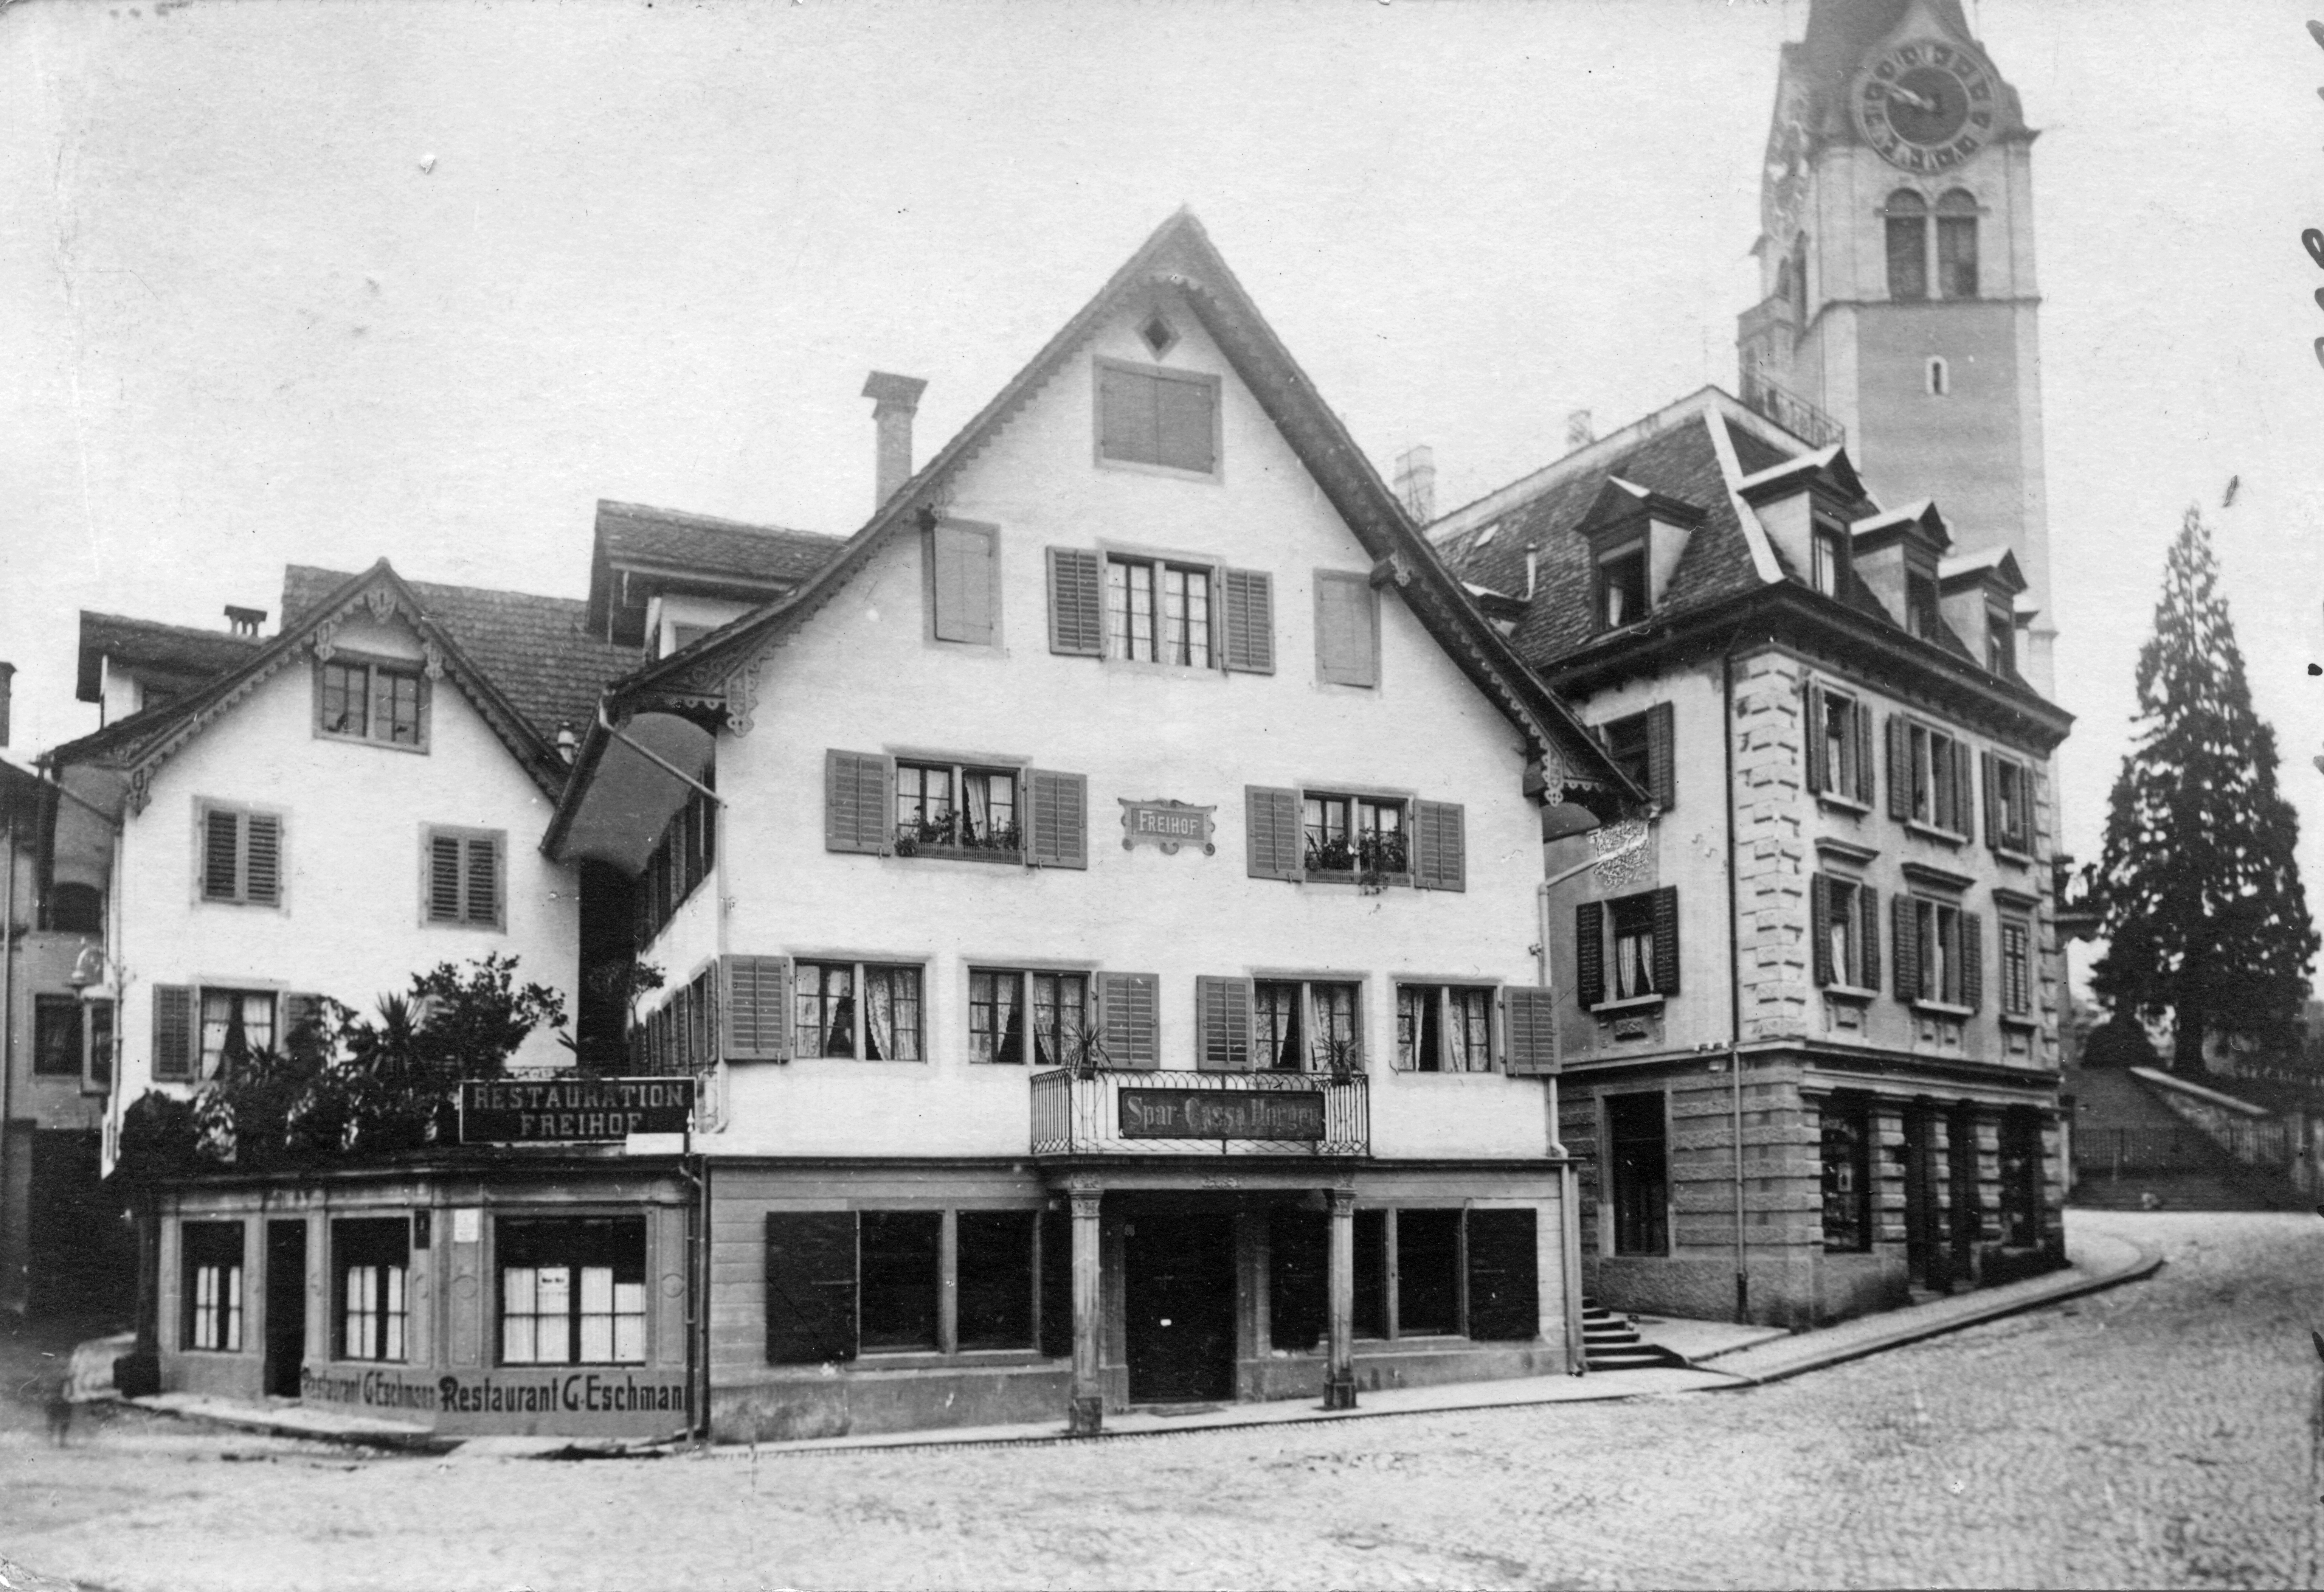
<point>1166,824</point>
<point>568,1111</point>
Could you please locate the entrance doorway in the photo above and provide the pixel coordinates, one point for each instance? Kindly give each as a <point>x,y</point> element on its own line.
<point>286,1307</point>
<point>1924,1246</point>
<point>1179,1299</point>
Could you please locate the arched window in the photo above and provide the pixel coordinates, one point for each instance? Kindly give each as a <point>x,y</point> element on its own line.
<point>1800,278</point>
<point>1957,246</point>
<point>1783,281</point>
<point>1907,215</point>
<point>1940,378</point>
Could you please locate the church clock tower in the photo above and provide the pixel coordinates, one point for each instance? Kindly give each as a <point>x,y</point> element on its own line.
<point>1897,267</point>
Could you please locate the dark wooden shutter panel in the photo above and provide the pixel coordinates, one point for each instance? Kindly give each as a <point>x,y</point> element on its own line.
<point>484,879</point>
<point>1529,1017</point>
<point>1222,1024</point>
<point>1589,954</point>
<point>1972,960</point>
<point>755,1008</point>
<point>1868,902</point>
<point>856,803</point>
<point>1666,910</point>
<point>1130,1018</point>
<point>1060,828</point>
<point>1347,637</point>
<point>1056,1284</point>
<point>443,879</point>
<point>1271,827</point>
<point>221,855</point>
<point>810,1287</point>
<point>1820,930</point>
<point>1504,1280</point>
<point>1129,421</point>
<point>1900,769</point>
<point>1185,437</point>
<point>302,1031</point>
<point>174,1033</point>
<point>1076,602</point>
<point>1865,787</point>
<point>963,582</point>
<point>1815,736</point>
<point>1441,846</point>
<point>1906,935</point>
<point>1662,762</point>
<point>1989,777</point>
<point>1250,621</point>
<point>1964,790</point>
<point>262,861</point>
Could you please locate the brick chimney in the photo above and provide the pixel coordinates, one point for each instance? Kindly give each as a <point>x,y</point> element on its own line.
<point>1415,483</point>
<point>894,399</point>
<point>8,687</point>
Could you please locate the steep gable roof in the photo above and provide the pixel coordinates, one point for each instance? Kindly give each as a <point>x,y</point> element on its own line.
<point>140,744</point>
<point>717,674</point>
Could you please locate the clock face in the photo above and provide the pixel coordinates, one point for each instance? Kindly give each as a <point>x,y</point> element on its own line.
<point>1926,106</point>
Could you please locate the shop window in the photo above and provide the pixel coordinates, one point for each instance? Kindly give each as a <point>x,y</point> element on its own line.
<point>572,1289</point>
<point>2020,1179</point>
<point>1306,1026</point>
<point>1299,1278</point>
<point>1444,1028</point>
<point>55,1036</point>
<point>899,1275</point>
<point>1846,1133</point>
<point>1027,1018</point>
<point>829,1020</point>
<point>385,703</point>
<point>1370,1281</point>
<point>949,810</point>
<point>371,1267</point>
<point>1353,836</point>
<point>1504,1275</point>
<point>236,1024</point>
<point>210,1289</point>
<point>1637,1143</point>
<point>994,1261</point>
<point>1427,1273</point>
<point>1164,417</point>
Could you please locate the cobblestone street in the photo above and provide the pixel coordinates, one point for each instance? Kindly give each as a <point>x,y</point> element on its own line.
<point>2158,1434</point>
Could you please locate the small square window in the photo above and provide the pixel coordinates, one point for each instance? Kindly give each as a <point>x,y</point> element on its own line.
<point>1157,335</point>
<point>385,703</point>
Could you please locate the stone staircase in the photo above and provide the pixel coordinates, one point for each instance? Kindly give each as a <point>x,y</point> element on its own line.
<point>1610,1343</point>
<point>2134,1152</point>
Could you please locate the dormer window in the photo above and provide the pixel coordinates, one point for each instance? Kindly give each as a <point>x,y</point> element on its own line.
<point>1830,557</point>
<point>1622,587</point>
<point>1920,612</point>
<point>2000,639</point>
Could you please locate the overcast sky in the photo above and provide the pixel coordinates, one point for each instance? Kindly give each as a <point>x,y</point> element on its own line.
<point>322,283</point>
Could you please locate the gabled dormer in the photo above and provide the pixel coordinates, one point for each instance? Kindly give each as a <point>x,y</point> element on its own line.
<point>1636,536</point>
<point>1805,503</point>
<point>659,579</point>
<point>1979,595</point>
<point>1897,553</point>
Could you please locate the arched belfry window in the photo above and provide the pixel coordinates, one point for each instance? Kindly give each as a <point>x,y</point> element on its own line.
<point>1800,278</point>
<point>1957,246</point>
<point>1907,215</point>
<point>1784,282</point>
<point>1940,378</point>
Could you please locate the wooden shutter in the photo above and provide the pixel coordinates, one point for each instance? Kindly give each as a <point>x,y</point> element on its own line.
<point>1815,736</point>
<point>858,802</point>
<point>1128,1008</point>
<point>1347,629</point>
<point>1127,423</point>
<point>1900,768</point>
<point>302,1026</point>
<point>1964,790</point>
<point>483,881</point>
<point>1864,755</point>
<point>443,879</point>
<point>221,855</point>
<point>1665,909</point>
<point>1819,931</point>
<point>1867,905</point>
<point>1222,1024</point>
<point>1662,763</point>
<point>175,1034</point>
<point>1440,845</point>
<point>810,1287</point>
<point>1972,960</point>
<point>1060,826</point>
<point>1503,1283</point>
<point>1057,1331</point>
<point>261,859</point>
<point>963,582</point>
<point>1904,912</point>
<point>1590,954</point>
<point>1529,1019</point>
<point>1076,602</point>
<point>1185,434</point>
<point>1249,607</point>
<point>1271,830</point>
<point>1989,779</point>
<point>754,1008</point>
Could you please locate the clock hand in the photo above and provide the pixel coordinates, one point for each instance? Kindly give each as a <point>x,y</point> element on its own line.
<point>1917,101</point>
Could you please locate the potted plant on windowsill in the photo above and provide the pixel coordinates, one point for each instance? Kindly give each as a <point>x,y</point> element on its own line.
<point>1337,1059</point>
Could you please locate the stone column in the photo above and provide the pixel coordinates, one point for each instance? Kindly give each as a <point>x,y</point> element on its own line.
<point>1339,1371</point>
<point>1087,1414</point>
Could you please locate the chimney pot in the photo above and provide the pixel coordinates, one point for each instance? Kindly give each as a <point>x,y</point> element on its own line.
<point>1533,568</point>
<point>243,621</point>
<point>894,399</point>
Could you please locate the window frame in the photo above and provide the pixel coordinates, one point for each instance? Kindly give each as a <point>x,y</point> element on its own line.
<point>465,837</point>
<point>1412,1035</point>
<point>1955,215</point>
<point>1603,584</point>
<point>242,812</point>
<point>1212,387</point>
<point>392,1326</point>
<point>2011,824</point>
<point>74,1050</point>
<point>1931,797</point>
<point>1026,1024</point>
<point>1650,1235</point>
<point>99,1052</point>
<point>1828,557</point>
<point>1923,604</point>
<point>1937,928</point>
<point>1844,750</point>
<point>1844,898</point>
<point>1357,836</point>
<point>207,1066</point>
<point>685,857</point>
<point>1855,1233</point>
<point>957,772</point>
<point>2016,970</point>
<point>903,1219</point>
<point>576,1250</point>
<point>858,1018</point>
<point>2000,639</point>
<point>1904,215</point>
<point>224,1316</point>
<point>375,665</point>
<point>1308,1021</point>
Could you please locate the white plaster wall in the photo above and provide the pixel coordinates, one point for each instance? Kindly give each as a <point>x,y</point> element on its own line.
<point>862,676</point>
<point>351,923</point>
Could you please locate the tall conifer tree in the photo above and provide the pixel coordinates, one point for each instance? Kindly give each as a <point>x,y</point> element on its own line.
<point>2204,912</point>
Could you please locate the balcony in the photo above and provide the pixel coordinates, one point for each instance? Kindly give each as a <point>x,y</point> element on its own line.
<point>1111,1111</point>
<point>1794,413</point>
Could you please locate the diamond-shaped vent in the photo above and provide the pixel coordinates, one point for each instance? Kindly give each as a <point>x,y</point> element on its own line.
<point>1157,335</point>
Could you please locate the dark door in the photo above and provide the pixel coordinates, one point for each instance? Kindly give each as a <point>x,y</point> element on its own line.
<point>1924,1257</point>
<point>286,1307</point>
<point>1180,1299</point>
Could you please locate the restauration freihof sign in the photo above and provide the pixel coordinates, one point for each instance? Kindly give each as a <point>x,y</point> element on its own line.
<point>565,1111</point>
<point>1201,1113</point>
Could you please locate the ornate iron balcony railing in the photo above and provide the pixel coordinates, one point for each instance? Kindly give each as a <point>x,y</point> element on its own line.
<point>1117,1111</point>
<point>1794,413</point>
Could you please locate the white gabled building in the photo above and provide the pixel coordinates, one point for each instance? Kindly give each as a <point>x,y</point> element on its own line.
<point>1102,905</point>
